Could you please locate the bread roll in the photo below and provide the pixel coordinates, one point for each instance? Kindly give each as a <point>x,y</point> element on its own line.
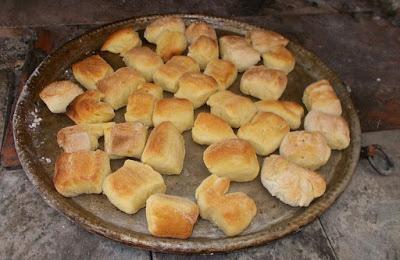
<point>209,129</point>
<point>168,75</point>
<point>59,94</point>
<point>81,172</point>
<point>88,108</point>
<point>334,128</point>
<point>165,149</point>
<point>306,149</point>
<point>223,71</point>
<point>170,216</point>
<point>292,112</point>
<point>91,70</point>
<point>263,83</point>
<point>167,23</point>
<point>204,50</point>
<point>196,87</point>
<point>237,50</point>
<point>144,60</point>
<point>140,108</point>
<point>233,158</point>
<point>170,44</point>
<point>232,212</point>
<point>290,183</point>
<point>264,132</point>
<point>151,89</point>
<point>320,96</point>
<point>263,40</point>
<point>234,109</point>
<point>118,86</point>
<point>178,111</point>
<point>130,186</point>
<point>279,58</point>
<point>122,41</point>
<point>198,29</point>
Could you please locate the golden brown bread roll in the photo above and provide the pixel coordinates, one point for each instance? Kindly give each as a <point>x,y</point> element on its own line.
<point>170,216</point>
<point>263,40</point>
<point>232,212</point>
<point>144,60</point>
<point>204,50</point>
<point>118,86</point>
<point>179,111</point>
<point>320,96</point>
<point>122,41</point>
<point>209,129</point>
<point>237,50</point>
<point>223,71</point>
<point>198,29</point>
<point>170,44</point>
<point>279,58</point>
<point>90,70</point>
<point>88,108</point>
<point>306,149</point>
<point>59,94</point>
<point>130,186</point>
<point>264,132</point>
<point>168,75</point>
<point>233,158</point>
<point>334,128</point>
<point>81,172</point>
<point>234,109</point>
<point>196,87</point>
<point>165,149</point>
<point>263,83</point>
<point>290,183</point>
<point>140,108</point>
<point>151,89</point>
<point>292,112</point>
<point>167,23</point>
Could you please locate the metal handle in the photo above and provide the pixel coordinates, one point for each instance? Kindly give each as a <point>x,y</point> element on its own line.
<point>378,159</point>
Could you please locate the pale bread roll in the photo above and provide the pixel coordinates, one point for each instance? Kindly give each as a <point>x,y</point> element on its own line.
<point>167,23</point>
<point>198,29</point>
<point>223,71</point>
<point>170,216</point>
<point>178,111</point>
<point>263,40</point>
<point>151,89</point>
<point>264,132</point>
<point>334,128</point>
<point>130,186</point>
<point>279,58</point>
<point>81,172</point>
<point>209,129</point>
<point>292,112</point>
<point>59,94</point>
<point>144,60</point>
<point>203,51</point>
<point>165,149</point>
<point>91,70</point>
<point>290,183</point>
<point>140,108</point>
<point>233,158</point>
<point>122,41</point>
<point>170,44</point>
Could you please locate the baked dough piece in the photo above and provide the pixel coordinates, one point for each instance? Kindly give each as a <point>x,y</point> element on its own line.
<point>144,60</point>
<point>122,41</point>
<point>334,128</point>
<point>170,44</point>
<point>279,58</point>
<point>170,216</point>
<point>119,85</point>
<point>290,183</point>
<point>263,83</point>
<point>178,111</point>
<point>306,149</point>
<point>165,149</point>
<point>195,30</point>
<point>223,71</point>
<point>234,109</point>
<point>151,89</point>
<point>204,50</point>
<point>264,132</point>
<point>59,94</point>
<point>292,112</point>
<point>233,158</point>
<point>168,75</point>
<point>263,40</point>
<point>320,96</point>
<point>125,140</point>
<point>130,186</point>
<point>196,87</point>
<point>209,129</point>
<point>232,212</point>
<point>157,27</point>
<point>81,137</point>
<point>88,108</point>
<point>237,50</point>
<point>90,70</point>
<point>81,172</point>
